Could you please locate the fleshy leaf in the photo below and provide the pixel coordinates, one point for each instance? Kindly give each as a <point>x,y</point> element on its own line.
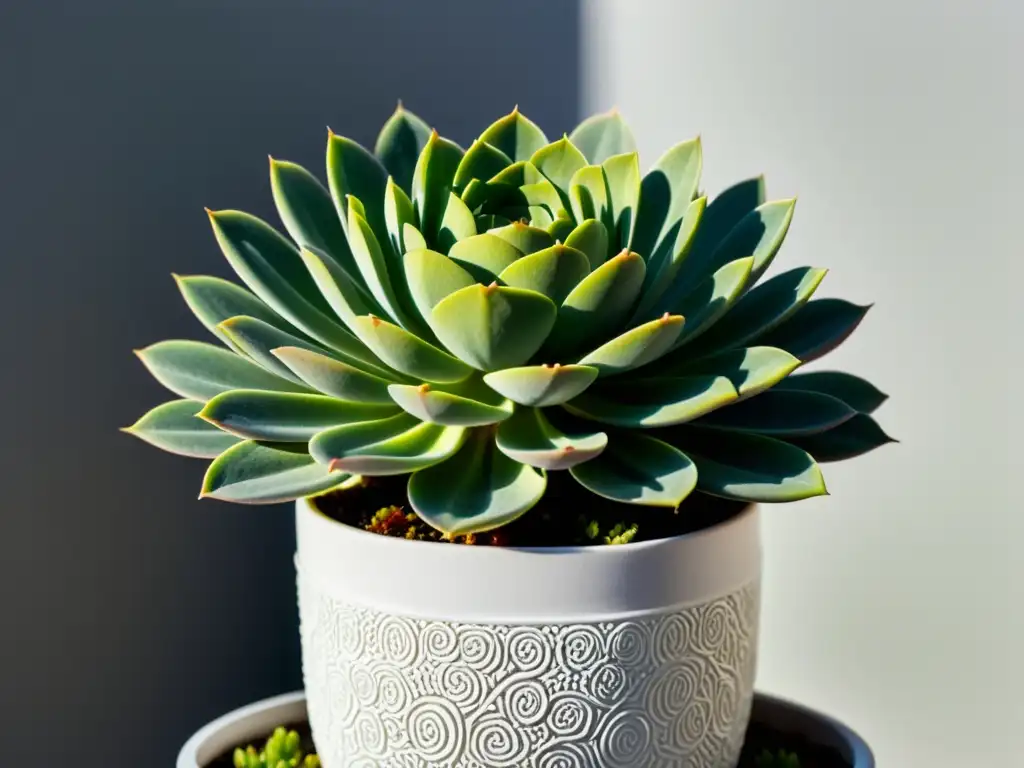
<point>749,467</point>
<point>393,446</point>
<point>854,437</point>
<point>558,161</point>
<point>859,394</point>
<point>554,272</point>
<point>636,347</point>
<point>541,385</point>
<point>431,276</point>
<point>482,161</point>
<point>664,265</point>
<point>667,191</point>
<point>598,306</point>
<point>590,237</point>
<point>284,417</point>
<point>493,327</point>
<point>637,469</point>
<point>399,145</point>
<point>515,135</point>
<point>529,438</point>
<point>213,300</point>
<point>588,196</point>
<point>782,414</point>
<point>816,328</point>
<point>408,353</point>
<point>307,211</point>
<point>759,234</point>
<point>446,408</point>
<point>174,427</point>
<point>256,473</point>
<point>561,228</point>
<point>660,402</point>
<point>383,275</point>
<point>484,256</point>
<point>712,299</point>
<point>622,179</point>
<point>433,182</point>
<point>398,213</point>
<point>601,136</point>
<point>353,172</point>
<point>751,370</point>
<point>256,338</point>
<point>199,371</point>
<point>457,223</point>
<point>478,489</point>
<point>523,237</point>
<point>412,238</point>
<point>761,309</point>
<point>333,377</point>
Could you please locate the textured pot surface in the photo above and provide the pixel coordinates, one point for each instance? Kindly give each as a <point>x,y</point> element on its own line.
<point>428,654</point>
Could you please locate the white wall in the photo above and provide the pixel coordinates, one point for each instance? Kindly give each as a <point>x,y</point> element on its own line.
<point>897,602</point>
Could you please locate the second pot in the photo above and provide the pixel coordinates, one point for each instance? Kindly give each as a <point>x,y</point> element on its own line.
<point>633,655</point>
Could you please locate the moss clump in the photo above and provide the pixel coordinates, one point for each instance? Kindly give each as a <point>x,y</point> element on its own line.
<point>282,750</point>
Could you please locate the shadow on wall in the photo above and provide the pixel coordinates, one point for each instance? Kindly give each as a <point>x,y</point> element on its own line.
<point>141,611</point>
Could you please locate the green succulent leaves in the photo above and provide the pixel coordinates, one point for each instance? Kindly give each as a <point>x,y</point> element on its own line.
<point>476,319</point>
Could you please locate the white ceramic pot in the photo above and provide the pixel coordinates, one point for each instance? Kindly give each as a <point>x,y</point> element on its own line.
<point>429,654</point>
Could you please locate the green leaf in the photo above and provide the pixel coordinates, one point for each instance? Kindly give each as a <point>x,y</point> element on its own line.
<point>274,271</point>
<point>490,221</point>
<point>588,196</point>
<point>515,135</point>
<point>393,446</point>
<point>431,276</point>
<point>722,215</point>
<point>214,300</point>
<point>200,371</point>
<point>334,377</point>
<point>561,228</point>
<point>307,211</point>
<point>284,417</point>
<point>590,237</point>
<point>383,275</point>
<point>749,467</point>
<point>762,309</point>
<point>484,256</point>
<point>412,238</point>
<point>541,385</point>
<point>523,237</point>
<point>854,437</point>
<point>256,338</point>
<point>857,393</point>
<point>433,181</point>
<point>554,272</point>
<point>637,469</point>
<point>601,136</point>
<point>255,473</point>
<point>478,489</point>
<point>622,179</point>
<point>446,408</point>
<point>759,234</point>
<point>457,224</point>
<point>399,145</point>
<point>712,299</point>
<point>544,194</point>
<point>816,328</point>
<point>352,172</point>
<point>751,370</point>
<point>663,266</point>
<point>782,413</point>
<point>558,161</point>
<point>408,353</point>
<point>529,438</point>
<point>655,402</point>
<point>398,214</point>
<point>173,427</point>
<point>667,191</point>
<point>598,306</point>
<point>636,347</point>
<point>481,162</point>
<point>493,327</point>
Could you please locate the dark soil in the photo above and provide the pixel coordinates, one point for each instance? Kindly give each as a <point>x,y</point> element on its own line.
<point>759,740</point>
<point>567,516</point>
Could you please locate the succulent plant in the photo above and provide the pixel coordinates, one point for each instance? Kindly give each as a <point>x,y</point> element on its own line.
<point>780,759</point>
<point>477,318</point>
<point>283,749</point>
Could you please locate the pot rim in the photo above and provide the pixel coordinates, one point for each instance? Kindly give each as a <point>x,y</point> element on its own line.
<point>254,721</point>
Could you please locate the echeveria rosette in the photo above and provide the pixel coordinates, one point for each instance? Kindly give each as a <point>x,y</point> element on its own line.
<point>478,318</point>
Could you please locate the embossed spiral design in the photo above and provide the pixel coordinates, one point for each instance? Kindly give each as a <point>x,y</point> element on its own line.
<point>395,692</point>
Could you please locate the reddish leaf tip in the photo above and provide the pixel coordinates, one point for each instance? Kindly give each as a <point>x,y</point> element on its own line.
<point>423,389</point>
<point>334,465</point>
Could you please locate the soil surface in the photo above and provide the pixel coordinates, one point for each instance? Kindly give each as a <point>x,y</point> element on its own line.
<point>759,739</point>
<point>567,516</point>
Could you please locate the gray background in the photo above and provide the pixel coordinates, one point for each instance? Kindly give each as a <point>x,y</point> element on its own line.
<point>132,613</point>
